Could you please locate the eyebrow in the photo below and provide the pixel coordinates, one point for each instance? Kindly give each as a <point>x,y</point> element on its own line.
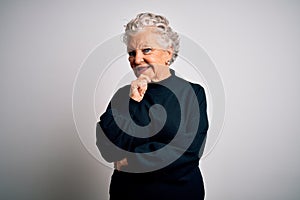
<point>145,47</point>
<point>142,47</point>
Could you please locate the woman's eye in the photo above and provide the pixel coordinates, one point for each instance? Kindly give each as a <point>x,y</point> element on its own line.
<point>131,53</point>
<point>147,50</point>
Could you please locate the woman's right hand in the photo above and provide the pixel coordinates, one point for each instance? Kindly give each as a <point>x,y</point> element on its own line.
<point>138,87</point>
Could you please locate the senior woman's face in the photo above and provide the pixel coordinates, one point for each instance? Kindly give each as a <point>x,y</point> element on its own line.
<point>147,56</point>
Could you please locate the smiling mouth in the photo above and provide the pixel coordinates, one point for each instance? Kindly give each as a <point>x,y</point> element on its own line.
<point>140,70</point>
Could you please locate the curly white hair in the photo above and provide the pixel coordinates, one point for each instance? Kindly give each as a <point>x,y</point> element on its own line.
<point>169,38</point>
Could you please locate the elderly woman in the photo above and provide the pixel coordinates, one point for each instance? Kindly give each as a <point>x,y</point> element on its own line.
<point>154,129</point>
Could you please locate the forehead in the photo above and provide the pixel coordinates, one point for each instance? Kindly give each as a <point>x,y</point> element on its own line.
<point>148,37</point>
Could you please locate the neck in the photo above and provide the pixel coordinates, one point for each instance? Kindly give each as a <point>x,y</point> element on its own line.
<point>163,75</point>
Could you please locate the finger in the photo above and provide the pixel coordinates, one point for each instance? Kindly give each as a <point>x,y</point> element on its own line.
<point>124,162</point>
<point>133,87</point>
<point>142,91</point>
<point>142,84</point>
<point>134,84</point>
<point>136,96</point>
<point>138,89</point>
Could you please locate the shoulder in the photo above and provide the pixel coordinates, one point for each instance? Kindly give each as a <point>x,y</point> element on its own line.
<point>199,91</point>
<point>197,88</point>
<point>194,87</point>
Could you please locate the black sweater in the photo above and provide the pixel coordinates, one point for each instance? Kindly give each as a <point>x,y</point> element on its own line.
<point>164,143</point>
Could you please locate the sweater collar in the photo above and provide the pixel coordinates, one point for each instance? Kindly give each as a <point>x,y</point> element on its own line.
<point>156,86</point>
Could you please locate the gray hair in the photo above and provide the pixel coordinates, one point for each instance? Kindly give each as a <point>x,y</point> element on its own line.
<point>169,38</point>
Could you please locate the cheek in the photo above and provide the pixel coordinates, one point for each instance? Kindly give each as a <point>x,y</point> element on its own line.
<point>160,58</point>
<point>159,61</point>
<point>154,59</point>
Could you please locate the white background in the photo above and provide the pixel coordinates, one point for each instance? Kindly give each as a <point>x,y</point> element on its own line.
<point>254,45</point>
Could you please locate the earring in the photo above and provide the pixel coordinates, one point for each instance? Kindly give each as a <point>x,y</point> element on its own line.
<point>168,62</point>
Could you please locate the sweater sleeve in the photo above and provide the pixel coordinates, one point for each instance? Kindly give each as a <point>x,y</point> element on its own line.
<point>112,141</point>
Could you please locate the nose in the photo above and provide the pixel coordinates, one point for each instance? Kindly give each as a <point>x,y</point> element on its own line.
<point>139,57</point>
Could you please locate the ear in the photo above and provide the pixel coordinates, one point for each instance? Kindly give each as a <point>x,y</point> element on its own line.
<point>170,53</point>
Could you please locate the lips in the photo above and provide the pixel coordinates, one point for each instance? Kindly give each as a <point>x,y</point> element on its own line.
<point>141,69</point>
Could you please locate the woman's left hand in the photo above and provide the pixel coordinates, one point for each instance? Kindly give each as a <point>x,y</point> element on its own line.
<point>119,164</point>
